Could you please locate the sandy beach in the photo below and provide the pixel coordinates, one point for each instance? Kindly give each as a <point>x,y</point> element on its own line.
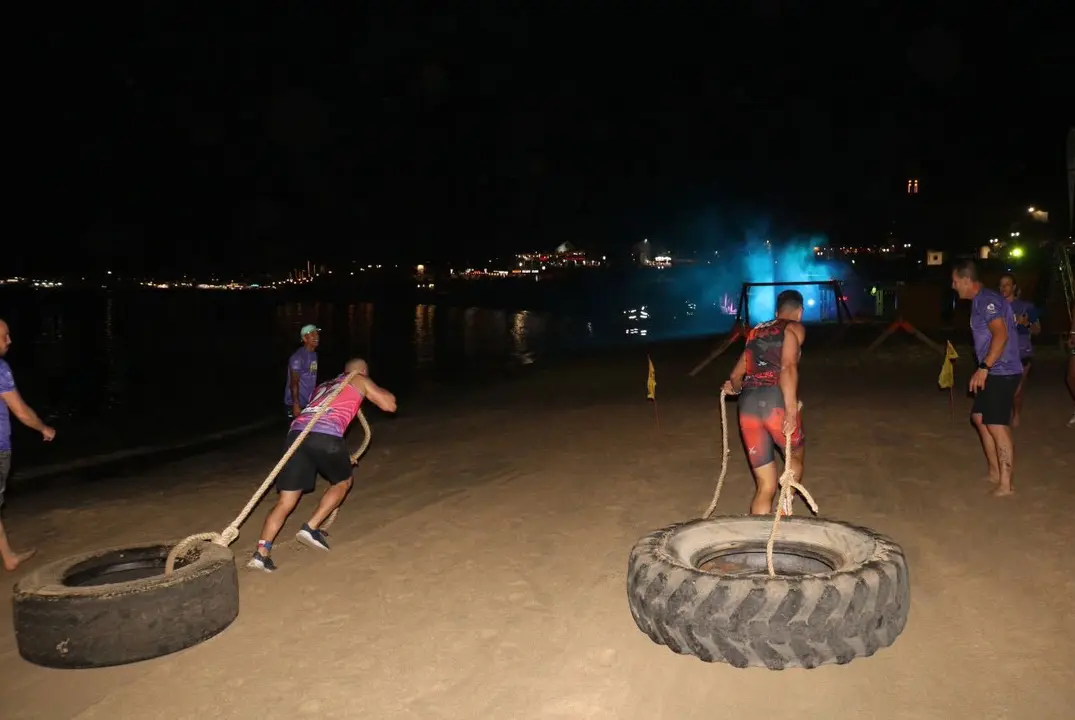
<point>478,566</point>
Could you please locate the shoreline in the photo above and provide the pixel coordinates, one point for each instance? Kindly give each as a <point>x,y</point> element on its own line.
<point>118,456</point>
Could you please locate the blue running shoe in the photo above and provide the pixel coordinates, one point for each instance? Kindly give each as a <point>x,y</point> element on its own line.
<point>312,538</point>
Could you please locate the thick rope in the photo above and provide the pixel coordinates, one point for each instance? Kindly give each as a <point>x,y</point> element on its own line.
<point>788,486</point>
<point>231,532</point>
<point>724,459</point>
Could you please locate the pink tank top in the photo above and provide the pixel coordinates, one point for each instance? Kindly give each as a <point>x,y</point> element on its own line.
<point>339,415</point>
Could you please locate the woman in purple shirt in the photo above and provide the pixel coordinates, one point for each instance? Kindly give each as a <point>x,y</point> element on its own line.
<point>1026,326</point>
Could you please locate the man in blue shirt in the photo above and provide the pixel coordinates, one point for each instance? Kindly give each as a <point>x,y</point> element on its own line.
<point>12,402</point>
<point>302,372</point>
<point>1026,326</point>
<point>999,371</point>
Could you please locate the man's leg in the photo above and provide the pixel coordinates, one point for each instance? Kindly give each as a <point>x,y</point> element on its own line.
<point>1001,436</point>
<point>754,405</point>
<point>334,462</point>
<point>297,476</point>
<point>765,482</point>
<point>992,412</point>
<point>990,447</point>
<point>331,500</point>
<point>12,559</point>
<point>774,424</point>
<point>274,521</point>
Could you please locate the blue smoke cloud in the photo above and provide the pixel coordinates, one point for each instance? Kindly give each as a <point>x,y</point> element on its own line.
<point>703,298</point>
<point>764,260</point>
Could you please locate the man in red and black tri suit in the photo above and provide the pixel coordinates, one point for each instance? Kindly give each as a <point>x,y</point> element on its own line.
<point>766,378</point>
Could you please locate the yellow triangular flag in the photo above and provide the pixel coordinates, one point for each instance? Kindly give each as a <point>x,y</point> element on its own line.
<point>651,381</point>
<point>947,377</point>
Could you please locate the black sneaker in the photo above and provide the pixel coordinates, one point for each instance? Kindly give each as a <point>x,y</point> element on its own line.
<point>261,562</point>
<point>312,538</point>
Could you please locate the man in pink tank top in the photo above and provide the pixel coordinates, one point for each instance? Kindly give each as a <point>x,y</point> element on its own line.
<point>323,451</point>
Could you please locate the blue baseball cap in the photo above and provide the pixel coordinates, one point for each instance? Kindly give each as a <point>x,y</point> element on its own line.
<point>307,329</point>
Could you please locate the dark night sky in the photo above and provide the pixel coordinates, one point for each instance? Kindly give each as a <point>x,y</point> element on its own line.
<point>179,137</point>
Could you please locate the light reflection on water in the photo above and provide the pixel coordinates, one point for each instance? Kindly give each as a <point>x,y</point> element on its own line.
<point>126,369</point>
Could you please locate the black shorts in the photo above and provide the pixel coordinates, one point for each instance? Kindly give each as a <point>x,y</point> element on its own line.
<point>994,401</point>
<point>319,453</point>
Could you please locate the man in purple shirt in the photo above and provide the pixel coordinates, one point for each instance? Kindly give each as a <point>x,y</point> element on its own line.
<point>302,372</point>
<point>999,371</point>
<point>11,401</point>
<point>1026,326</point>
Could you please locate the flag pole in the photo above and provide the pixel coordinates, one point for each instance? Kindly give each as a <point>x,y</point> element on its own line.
<point>947,378</point>
<point>951,388</point>
<point>651,391</point>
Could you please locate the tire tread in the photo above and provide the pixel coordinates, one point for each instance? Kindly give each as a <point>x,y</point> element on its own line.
<point>776,623</point>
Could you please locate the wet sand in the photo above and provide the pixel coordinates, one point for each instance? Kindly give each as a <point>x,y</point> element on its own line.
<point>478,567</point>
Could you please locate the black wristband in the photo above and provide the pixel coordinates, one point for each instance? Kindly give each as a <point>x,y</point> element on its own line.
<point>983,366</point>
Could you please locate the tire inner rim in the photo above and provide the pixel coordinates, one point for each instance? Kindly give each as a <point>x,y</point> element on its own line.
<point>789,560</point>
<point>736,546</point>
<point>120,567</point>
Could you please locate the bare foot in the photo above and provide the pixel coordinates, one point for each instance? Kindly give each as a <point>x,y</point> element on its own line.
<point>1003,492</point>
<point>993,479</point>
<point>20,558</point>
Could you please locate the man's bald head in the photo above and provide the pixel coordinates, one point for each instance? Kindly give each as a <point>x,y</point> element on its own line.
<point>357,365</point>
<point>5,338</point>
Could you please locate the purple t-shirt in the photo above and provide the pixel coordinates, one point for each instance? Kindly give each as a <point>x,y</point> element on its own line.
<point>304,362</point>
<point>986,306</point>
<point>1023,307</point>
<point>7,384</point>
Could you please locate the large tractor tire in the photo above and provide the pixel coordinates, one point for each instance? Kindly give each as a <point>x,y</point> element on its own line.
<point>113,607</point>
<point>702,588</point>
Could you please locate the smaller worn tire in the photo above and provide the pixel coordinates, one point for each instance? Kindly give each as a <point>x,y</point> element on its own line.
<point>62,620</point>
<point>844,592</point>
